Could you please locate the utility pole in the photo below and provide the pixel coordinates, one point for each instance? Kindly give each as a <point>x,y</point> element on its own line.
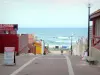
<point>71,46</point>
<point>89,6</point>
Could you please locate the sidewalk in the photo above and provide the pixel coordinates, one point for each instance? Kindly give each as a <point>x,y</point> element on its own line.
<point>1,54</point>
<point>83,68</point>
<point>1,58</point>
<point>20,60</point>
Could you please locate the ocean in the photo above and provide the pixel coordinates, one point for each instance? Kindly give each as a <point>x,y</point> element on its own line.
<point>56,36</point>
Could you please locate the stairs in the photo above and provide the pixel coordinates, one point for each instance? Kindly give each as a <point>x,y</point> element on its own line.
<point>95,52</point>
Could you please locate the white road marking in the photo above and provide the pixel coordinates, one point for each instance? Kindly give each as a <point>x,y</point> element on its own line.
<point>70,69</point>
<point>51,58</point>
<point>22,67</point>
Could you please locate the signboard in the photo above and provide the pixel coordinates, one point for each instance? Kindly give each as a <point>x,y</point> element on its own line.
<point>64,47</point>
<point>8,26</point>
<point>42,42</point>
<point>57,47</point>
<point>9,55</point>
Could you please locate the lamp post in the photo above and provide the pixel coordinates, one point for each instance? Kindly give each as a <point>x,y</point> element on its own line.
<point>88,43</point>
<point>71,44</point>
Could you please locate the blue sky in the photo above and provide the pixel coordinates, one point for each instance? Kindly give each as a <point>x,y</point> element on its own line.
<point>46,13</point>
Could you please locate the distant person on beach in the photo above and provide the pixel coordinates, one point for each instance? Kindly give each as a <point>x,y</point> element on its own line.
<point>45,50</point>
<point>61,51</point>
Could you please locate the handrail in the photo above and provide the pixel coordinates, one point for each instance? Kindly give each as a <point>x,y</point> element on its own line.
<point>96,42</point>
<point>97,47</point>
<point>23,48</point>
<point>97,37</point>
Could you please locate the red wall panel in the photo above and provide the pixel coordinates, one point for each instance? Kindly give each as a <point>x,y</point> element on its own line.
<point>8,40</point>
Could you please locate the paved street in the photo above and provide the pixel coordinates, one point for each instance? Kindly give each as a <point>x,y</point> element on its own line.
<point>49,65</point>
<point>82,68</point>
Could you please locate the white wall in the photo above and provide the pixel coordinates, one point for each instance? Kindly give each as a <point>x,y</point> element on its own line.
<point>80,47</point>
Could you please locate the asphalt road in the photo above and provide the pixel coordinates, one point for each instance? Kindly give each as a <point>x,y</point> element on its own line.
<point>49,65</point>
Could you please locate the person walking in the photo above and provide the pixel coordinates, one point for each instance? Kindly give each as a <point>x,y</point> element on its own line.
<point>84,55</point>
<point>61,51</point>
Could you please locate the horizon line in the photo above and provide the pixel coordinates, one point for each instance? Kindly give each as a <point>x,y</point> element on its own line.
<point>52,27</point>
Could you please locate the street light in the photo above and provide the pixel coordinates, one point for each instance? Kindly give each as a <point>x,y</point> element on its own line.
<point>88,43</point>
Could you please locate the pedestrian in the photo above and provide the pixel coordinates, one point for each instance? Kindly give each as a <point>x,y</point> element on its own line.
<point>61,51</point>
<point>15,57</point>
<point>84,55</point>
<point>44,51</point>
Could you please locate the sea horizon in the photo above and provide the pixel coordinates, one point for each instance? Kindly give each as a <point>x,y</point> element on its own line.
<point>55,36</point>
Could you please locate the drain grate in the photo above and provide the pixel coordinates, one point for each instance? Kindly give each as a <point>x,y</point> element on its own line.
<point>26,74</point>
<point>36,63</point>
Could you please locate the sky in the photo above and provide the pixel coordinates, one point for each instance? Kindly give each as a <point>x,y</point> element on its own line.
<point>46,13</point>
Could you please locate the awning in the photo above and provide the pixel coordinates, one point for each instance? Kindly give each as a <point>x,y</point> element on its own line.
<point>95,15</point>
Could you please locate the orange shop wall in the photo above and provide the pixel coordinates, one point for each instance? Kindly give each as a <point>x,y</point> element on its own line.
<point>38,47</point>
